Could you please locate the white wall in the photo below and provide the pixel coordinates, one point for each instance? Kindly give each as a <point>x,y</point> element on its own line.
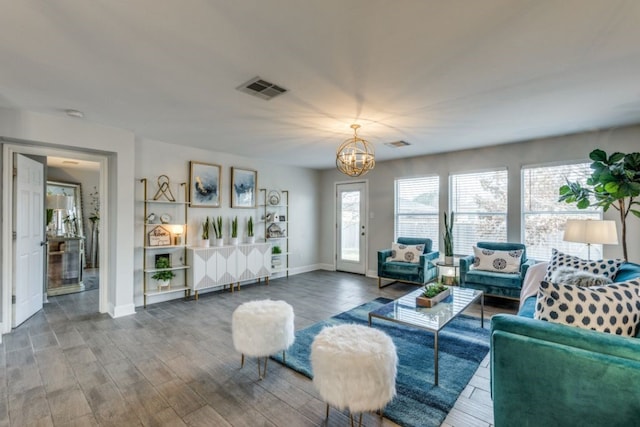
<point>154,158</point>
<point>513,156</point>
<point>117,145</point>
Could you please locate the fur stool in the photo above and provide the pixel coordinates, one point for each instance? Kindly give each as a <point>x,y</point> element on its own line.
<point>262,328</point>
<point>354,367</point>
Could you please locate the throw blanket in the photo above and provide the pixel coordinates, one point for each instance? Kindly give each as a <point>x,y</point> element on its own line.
<point>532,280</point>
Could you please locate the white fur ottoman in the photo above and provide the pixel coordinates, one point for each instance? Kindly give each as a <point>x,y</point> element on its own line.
<point>354,367</point>
<point>262,328</point>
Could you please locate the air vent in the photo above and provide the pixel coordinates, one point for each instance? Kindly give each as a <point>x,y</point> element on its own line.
<point>397,144</point>
<point>261,88</point>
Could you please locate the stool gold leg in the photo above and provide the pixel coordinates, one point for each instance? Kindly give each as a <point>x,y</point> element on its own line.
<point>327,416</point>
<point>284,357</point>
<point>351,419</point>
<point>265,366</point>
<point>242,362</point>
<point>360,422</point>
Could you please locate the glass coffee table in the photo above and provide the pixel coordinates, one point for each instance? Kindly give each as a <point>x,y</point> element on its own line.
<point>405,311</point>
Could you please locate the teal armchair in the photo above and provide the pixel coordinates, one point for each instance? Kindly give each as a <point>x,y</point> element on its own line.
<point>506,285</point>
<point>418,273</point>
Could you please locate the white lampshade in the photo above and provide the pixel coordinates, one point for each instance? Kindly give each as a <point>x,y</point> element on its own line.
<point>59,201</point>
<point>591,231</point>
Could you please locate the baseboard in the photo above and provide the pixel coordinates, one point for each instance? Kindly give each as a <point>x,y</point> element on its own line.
<point>372,273</point>
<point>122,310</point>
<point>328,267</point>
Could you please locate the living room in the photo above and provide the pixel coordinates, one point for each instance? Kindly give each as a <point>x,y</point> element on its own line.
<point>127,154</point>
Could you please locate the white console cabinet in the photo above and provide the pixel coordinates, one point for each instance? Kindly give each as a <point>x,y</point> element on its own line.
<point>227,265</point>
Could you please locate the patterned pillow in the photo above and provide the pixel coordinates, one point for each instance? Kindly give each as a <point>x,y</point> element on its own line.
<point>602,267</point>
<point>406,253</point>
<point>498,261</point>
<point>611,308</point>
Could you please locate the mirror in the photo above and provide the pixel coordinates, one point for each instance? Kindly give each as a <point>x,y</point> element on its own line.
<point>64,209</point>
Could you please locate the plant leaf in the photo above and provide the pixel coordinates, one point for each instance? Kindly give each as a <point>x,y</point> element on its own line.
<point>598,155</point>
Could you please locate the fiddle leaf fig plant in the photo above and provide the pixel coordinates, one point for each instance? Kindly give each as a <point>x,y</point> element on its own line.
<point>614,182</point>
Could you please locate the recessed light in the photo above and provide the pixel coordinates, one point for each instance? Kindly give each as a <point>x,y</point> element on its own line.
<point>74,113</point>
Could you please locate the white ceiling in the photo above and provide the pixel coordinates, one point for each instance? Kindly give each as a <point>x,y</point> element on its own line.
<point>442,75</point>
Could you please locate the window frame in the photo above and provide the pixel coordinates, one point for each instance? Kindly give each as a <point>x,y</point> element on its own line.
<point>427,214</point>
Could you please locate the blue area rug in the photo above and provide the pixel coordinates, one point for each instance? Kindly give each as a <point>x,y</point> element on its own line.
<point>462,345</point>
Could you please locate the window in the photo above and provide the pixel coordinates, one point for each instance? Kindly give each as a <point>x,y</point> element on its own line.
<point>417,208</point>
<point>479,201</point>
<point>543,217</point>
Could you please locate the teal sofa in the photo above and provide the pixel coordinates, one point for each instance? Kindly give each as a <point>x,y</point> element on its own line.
<point>548,374</point>
<point>506,285</point>
<point>419,273</point>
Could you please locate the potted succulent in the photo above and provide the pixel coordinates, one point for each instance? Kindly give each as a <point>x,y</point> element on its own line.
<point>206,225</point>
<point>447,238</point>
<point>234,231</point>
<point>163,277</point>
<point>432,294</point>
<point>217,230</point>
<point>250,237</point>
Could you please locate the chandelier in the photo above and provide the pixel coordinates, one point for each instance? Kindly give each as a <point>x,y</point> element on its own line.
<point>355,156</point>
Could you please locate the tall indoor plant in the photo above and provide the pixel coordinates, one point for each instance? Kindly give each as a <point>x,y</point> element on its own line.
<point>447,238</point>
<point>217,230</point>
<point>614,182</point>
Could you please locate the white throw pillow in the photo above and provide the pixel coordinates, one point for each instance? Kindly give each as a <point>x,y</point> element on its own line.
<point>601,267</point>
<point>613,308</point>
<point>406,253</point>
<point>497,261</point>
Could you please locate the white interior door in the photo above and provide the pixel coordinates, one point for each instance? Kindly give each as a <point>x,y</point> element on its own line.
<point>29,244</point>
<point>351,225</point>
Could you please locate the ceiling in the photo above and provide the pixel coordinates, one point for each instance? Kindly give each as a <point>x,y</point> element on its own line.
<point>442,75</point>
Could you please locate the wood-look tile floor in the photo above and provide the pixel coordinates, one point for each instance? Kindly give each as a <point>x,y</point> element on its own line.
<point>173,364</point>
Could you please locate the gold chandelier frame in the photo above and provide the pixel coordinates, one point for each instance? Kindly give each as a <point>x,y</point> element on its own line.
<point>355,156</point>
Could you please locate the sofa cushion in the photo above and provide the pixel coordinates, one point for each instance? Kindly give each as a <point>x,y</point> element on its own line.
<point>405,253</point>
<point>611,308</point>
<point>498,261</point>
<point>509,280</point>
<point>603,267</point>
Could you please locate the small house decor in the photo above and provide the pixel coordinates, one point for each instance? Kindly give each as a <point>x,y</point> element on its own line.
<point>159,236</point>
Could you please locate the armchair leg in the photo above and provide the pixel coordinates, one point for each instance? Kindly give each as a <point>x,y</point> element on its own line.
<point>380,285</point>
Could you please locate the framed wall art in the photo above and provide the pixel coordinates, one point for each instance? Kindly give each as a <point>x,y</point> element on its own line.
<point>159,236</point>
<point>244,183</point>
<point>204,185</point>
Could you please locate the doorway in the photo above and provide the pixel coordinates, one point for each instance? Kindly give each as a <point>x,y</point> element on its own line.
<point>9,199</point>
<point>351,227</point>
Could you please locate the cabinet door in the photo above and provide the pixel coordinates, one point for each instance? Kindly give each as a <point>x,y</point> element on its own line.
<point>198,277</point>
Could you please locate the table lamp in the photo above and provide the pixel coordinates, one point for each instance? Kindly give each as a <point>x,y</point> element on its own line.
<point>591,231</point>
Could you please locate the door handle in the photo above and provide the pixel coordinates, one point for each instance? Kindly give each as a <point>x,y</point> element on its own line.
<point>44,243</point>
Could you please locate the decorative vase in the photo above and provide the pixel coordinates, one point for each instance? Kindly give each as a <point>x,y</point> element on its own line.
<point>204,243</point>
<point>163,284</point>
<point>251,239</point>
<point>219,242</point>
<point>448,260</point>
<point>233,241</point>
<point>430,302</point>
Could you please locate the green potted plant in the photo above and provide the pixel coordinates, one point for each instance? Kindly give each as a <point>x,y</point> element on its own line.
<point>614,182</point>
<point>217,230</point>
<point>234,231</point>
<point>163,276</point>
<point>432,294</point>
<point>206,225</point>
<point>447,238</point>
<point>276,250</point>
<point>250,236</point>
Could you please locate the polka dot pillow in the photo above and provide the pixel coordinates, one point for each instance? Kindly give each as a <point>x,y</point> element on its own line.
<point>406,253</point>
<point>601,267</point>
<point>498,261</point>
<point>614,308</point>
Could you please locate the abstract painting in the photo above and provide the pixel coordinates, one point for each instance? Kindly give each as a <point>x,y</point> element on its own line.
<point>244,183</point>
<point>204,185</point>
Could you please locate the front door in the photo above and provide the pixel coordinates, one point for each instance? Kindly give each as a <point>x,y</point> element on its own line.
<point>351,222</point>
<point>28,282</point>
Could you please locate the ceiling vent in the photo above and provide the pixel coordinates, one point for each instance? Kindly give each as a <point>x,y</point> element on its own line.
<point>261,88</point>
<point>397,144</point>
